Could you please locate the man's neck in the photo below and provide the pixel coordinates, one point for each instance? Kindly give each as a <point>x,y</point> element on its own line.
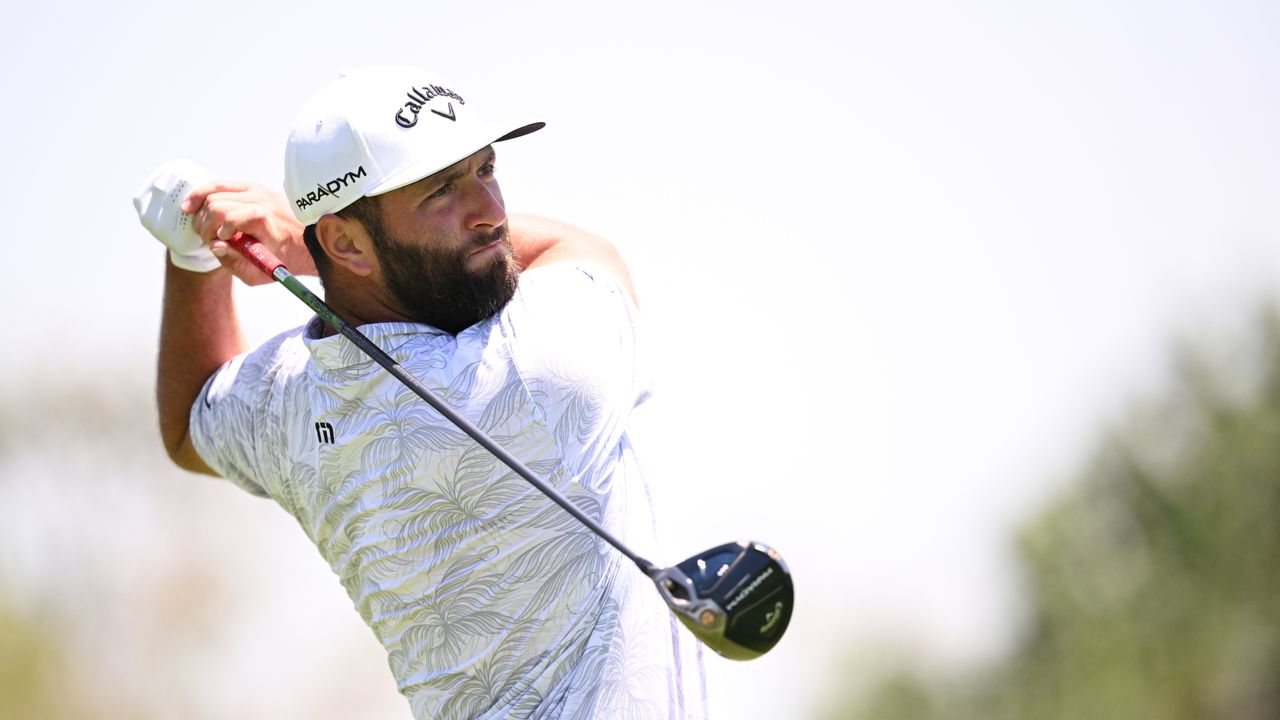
<point>358,301</point>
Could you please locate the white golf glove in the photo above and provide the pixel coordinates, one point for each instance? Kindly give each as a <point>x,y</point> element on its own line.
<point>159,203</point>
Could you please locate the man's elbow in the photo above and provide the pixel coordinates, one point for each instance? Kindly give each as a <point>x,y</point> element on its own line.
<point>183,454</point>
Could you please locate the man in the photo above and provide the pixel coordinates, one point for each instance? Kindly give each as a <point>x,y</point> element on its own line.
<point>490,600</point>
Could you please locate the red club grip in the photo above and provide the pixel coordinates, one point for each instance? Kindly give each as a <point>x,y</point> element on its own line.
<point>256,253</point>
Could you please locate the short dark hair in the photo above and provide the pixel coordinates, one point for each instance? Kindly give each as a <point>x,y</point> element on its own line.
<point>367,211</point>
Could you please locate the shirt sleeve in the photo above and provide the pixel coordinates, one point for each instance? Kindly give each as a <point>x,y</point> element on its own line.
<point>575,338</point>
<point>229,422</point>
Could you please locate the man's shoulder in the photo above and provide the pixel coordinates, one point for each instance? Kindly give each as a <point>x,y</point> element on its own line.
<point>571,320</point>
<point>281,356</point>
<point>567,303</point>
<point>571,281</point>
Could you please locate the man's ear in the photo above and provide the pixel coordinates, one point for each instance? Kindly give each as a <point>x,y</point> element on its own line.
<point>346,243</point>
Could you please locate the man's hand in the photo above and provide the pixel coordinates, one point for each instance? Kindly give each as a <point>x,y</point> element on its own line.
<point>223,208</point>
<point>194,214</point>
<point>158,203</point>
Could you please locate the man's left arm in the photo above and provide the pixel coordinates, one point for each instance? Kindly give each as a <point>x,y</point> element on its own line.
<point>539,242</point>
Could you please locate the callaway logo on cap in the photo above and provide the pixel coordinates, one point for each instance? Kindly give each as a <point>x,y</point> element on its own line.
<point>376,129</point>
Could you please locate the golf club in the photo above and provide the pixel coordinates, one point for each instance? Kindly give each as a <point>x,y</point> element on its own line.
<point>736,598</point>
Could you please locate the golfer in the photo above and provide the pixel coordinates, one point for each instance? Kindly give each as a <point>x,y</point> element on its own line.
<point>491,601</point>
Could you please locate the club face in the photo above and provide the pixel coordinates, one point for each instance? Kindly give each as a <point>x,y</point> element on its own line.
<point>737,597</point>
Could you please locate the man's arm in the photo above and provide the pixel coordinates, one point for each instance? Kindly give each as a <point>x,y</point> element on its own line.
<point>199,332</point>
<point>539,242</point>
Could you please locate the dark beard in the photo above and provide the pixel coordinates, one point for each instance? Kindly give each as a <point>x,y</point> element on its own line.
<point>436,288</point>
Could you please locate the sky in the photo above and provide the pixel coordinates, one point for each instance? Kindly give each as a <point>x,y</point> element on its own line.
<point>901,263</point>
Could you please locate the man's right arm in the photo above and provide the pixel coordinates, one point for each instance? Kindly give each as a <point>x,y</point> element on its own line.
<point>199,332</point>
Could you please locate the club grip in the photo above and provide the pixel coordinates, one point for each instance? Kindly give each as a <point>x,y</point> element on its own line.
<point>256,253</point>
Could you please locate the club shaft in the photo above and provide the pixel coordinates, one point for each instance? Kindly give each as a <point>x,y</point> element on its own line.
<point>256,253</point>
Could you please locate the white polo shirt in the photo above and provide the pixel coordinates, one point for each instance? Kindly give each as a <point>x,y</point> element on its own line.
<point>491,600</point>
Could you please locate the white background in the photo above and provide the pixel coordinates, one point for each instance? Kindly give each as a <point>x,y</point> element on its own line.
<point>901,262</point>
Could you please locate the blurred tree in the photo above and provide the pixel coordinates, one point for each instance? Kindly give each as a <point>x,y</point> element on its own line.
<point>1154,582</point>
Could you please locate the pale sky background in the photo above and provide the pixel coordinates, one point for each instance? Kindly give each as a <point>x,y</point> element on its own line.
<point>901,262</point>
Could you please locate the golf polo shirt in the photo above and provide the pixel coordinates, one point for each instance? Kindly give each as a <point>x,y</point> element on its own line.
<point>491,600</point>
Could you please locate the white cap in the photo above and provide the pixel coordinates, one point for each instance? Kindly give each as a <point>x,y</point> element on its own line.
<point>377,129</point>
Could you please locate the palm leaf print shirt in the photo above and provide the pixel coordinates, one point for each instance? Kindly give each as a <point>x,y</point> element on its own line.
<point>491,600</point>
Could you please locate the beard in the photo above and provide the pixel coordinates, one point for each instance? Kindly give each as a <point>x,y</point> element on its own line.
<point>437,288</point>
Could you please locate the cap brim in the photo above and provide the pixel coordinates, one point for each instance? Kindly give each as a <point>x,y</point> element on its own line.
<point>414,172</point>
<point>522,131</point>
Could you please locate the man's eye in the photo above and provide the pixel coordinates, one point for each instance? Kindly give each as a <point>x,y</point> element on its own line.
<point>441,191</point>
<point>488,170</point>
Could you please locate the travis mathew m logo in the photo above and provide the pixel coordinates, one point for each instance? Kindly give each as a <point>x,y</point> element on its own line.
<point>324,432</point>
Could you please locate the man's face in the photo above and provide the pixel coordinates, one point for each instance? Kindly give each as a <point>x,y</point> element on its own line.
<point>442,246</point>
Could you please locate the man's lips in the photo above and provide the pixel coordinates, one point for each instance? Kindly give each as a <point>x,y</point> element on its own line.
<point>486,249</point>
<point>495,240</point>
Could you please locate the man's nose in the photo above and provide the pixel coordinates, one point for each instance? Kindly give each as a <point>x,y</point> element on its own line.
<point>485,206</point>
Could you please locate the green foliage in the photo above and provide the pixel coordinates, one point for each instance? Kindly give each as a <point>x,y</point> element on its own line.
<point>900,696</point>
<point>1154,582</point>
<point>29,666</point>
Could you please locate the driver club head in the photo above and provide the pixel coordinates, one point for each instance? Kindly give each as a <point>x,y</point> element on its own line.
<point>737,597</point>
